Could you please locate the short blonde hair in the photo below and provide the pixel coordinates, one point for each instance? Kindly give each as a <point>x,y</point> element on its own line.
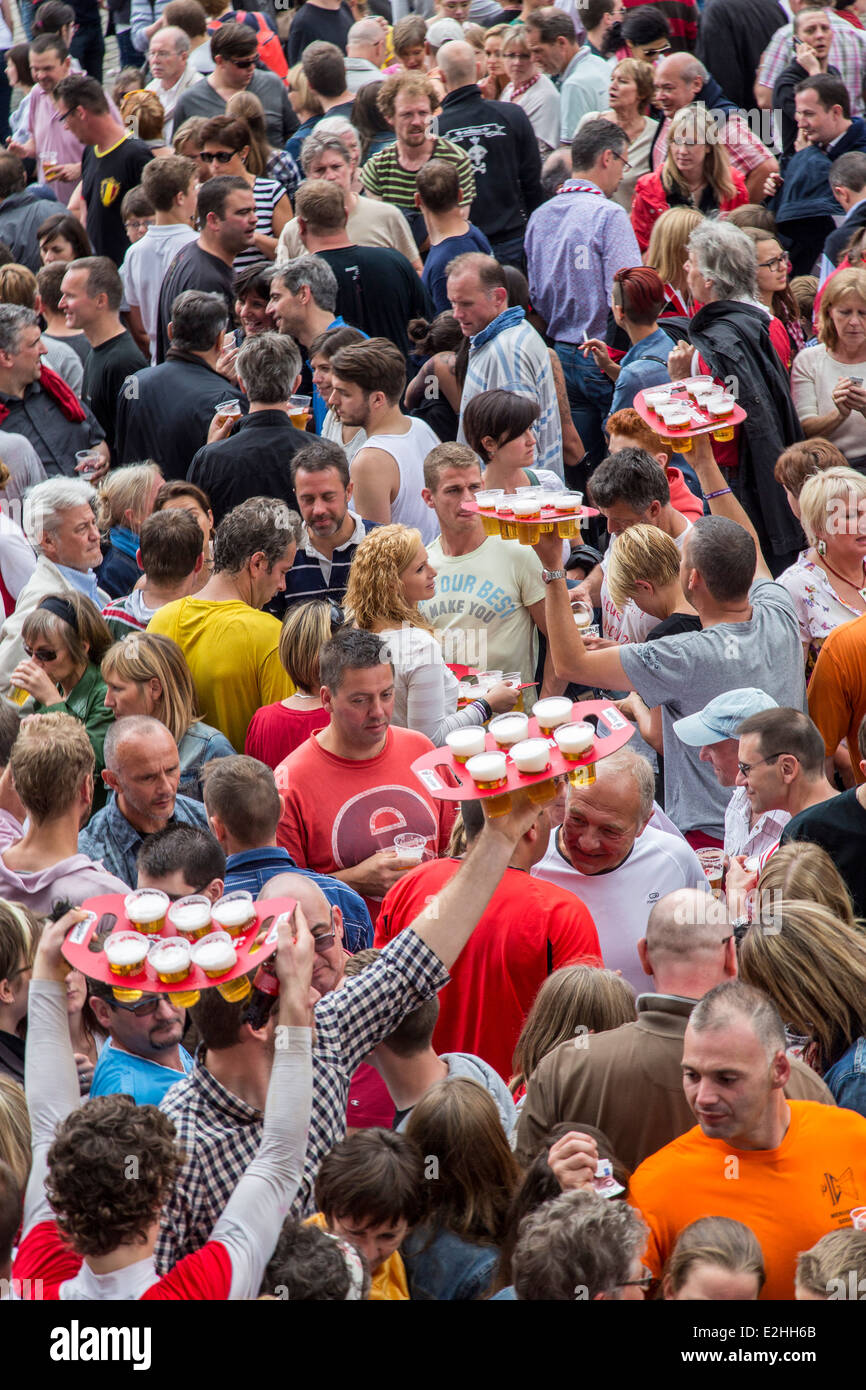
<point>50,759</point>
<point>126,489</point>
<point>17,285</point>
<point>847,284</point>
<point>832,1258</point>
<point>374,593</point>
<point>719,1241</point>
<point>668,243</point>
<point>641,552</point>
<point>825,495</point>
<point>641,74</point>
<point>804,872</point>
<point>306,627</point>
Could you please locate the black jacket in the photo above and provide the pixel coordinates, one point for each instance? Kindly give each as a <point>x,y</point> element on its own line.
<point>733,35</point>
<point>254,461</point>
<point>501,144</point>
<point>734,340</point>
<point>784,92</point>
<point>164,412</point>
<point>836,242</point>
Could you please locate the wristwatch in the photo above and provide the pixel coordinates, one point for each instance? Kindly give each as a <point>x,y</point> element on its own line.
<point>549,575</point>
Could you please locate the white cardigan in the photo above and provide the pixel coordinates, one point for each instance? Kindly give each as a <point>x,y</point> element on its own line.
<point>425,691</point>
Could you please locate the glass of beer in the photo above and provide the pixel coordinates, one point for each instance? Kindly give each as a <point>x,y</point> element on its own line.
<point>299,411</point>
<point>49,164</point>
<point>713,865</point>
<point>227,410</point>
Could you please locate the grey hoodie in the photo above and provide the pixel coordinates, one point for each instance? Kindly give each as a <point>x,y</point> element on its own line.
<point>74,879</point>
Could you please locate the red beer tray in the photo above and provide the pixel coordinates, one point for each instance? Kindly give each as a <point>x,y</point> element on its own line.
<point>83,947</point>
<point>702,422</point>
<point>546,514</point>
<point>448,780</point>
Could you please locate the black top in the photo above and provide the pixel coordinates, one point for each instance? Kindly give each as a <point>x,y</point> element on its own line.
<point>105,371</point>
<point>311,22</point>
<point>77,341</point>
<point>167,415</point>
<point>12,1057</point>
<point>784,92</point>
<point>733,35</point>
<point>503,150</point>
<point>838,826</point>
<point>676,623</point>
<point>105,181</point>
<point>192,269</point>
<point>252,462</point>
<point>378,291</point>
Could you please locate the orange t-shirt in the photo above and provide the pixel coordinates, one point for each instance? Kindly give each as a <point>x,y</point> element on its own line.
<point>789,1196</point>
<point>389,1283</point>
<point>837,690</point>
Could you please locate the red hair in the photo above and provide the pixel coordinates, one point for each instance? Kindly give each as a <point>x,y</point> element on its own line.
<point>642,293</point>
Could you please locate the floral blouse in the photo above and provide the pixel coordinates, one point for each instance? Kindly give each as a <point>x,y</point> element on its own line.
<point>819,607</point>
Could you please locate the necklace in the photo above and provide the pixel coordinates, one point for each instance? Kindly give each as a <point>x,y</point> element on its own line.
<point>826,563</point>
<point>524,87</point>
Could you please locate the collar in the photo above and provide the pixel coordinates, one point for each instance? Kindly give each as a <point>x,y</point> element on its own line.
<point>575,185</point>
<point>260,419</point>
<point>218,1097</point>
<point>124,831</point>
<point>82,580</point>
<point>666,1004</point>
<point>100,154</point>
<point>124,540</point>
<point>122,1285</point>
<point>355,539</point>
<point>509,318</point>
<point>259,858</point>
<point>469,89</point>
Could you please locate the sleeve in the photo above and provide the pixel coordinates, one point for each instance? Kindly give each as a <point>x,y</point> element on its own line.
<point>657,669</point>
<point>141,17</point>
<point>17,560</point>
<point>97,433</point>
<point>401,235</point>
<point>654,1256</point>
<point>572,935</point>
<point>51,1087</point>
<point>529,169</point>
<point>251,1223</point>
<point>643,214</point>
<point>291,831</point>
<point>274,682</point>
<point>297,38</point>
<point>530,583</point>
<point>425,695</point>
<point>804,384</point>
<point>466,177</point>
<point>830,705</point>
<point>365,1009</point>
<point>370,177</point>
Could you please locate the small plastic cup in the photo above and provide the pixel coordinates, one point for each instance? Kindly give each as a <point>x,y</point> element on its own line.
<point>299,411</point>
<point>215,954</point>
<point>713,865</point>
<point>146,909</point>
<point>582,614</point>
<point>465,743</point>
<point>126,952</point>
<point>574,740</point>
<point>552,712</point>
<point>234,912</point>
<point>191,916</point>
<point>87,462</point>
<point>487,500</point>
<point>527,509</point>
<point>567,506</point>
<point>170,958</point>
<point>410,849</point>
<point>531,756</point>
<point>858,1218</point>
<point>508,528</point>
<point>488,770</point>
<point>227,410</point>
<point>509,729</point>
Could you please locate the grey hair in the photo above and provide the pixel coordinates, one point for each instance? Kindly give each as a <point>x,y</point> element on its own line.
<point>690,69</point>
<point>14,318</point>
<point>45,503</point>
<point>734,1000</point>
<point>626,760</point>
<point>269,364</point>
<point>342,127</point>
<point>591,141</point>
<point>197,320</point>
<point>261,525</point>
<point>317,144</point>
<point>312,271</point>
<point>131,726</point>
<point>727,257</point>
<point>576,1241</point>
<point>181,40</point>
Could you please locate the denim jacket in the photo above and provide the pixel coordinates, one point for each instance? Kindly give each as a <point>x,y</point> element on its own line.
<point>199,744</point>
<point>447,1268</point>
<point>847,1078</point>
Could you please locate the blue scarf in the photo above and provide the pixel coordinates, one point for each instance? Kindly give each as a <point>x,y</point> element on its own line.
<point>124,540</point>
<point>509,318</point>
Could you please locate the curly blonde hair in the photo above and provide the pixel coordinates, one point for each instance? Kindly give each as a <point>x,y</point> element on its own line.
<point>374,593</point>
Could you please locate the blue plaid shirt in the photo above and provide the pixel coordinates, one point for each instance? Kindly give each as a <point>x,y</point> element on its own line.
<point>110,837</point>
<point>252,869</point>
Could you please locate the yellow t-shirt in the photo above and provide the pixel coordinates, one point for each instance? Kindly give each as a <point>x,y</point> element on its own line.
<point>231,650</point>
<point>789,1196</point>
<point>389,1281</point>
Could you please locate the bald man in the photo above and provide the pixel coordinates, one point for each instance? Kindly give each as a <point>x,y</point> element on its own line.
<point>629,1082</point>
<point>500,141</point>
<point>608,855</point>
<point>142,769</point>
<point>365,52</point>
<point>244,808</point>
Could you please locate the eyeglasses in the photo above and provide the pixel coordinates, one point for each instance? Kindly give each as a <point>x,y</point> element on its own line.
<point>745,768</point>
<point>625,164</point>
<point>245,63</point>
<point>217,156</point>
<point>44,654</point>
<point>777,263</point>
<point>324,933</point>
<point>64,115</point>
<point>656,52</point>
<point>145,1008</point>
<point>136,223</point>
<point>644,1282</point>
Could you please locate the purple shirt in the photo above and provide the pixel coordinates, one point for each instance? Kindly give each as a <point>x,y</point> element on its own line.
<point>50,135</point>
<point>575,244</point>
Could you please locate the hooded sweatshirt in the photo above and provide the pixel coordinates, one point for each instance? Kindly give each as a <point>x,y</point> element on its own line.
<point>74,879</point>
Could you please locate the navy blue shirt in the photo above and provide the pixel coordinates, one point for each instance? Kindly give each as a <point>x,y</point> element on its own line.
<point>438,257</point>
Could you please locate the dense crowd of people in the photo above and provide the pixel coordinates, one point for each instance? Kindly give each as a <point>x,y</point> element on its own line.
<point>278,298</point>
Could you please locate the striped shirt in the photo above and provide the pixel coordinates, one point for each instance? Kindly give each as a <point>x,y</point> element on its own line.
<point>509,355</point>
<point>384,176</point>
<point>266,193</point>
<point>846,53</point>
<point>313,575</point>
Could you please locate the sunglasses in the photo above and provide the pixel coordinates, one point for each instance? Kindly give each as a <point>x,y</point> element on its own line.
<point>217,157</point>
<point>40,653</point>
<point>245,63</point>
<point>145,1008</point>
<point>324,933</point>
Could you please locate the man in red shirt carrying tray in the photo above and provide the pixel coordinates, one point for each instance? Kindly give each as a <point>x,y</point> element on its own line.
<point>530,929</point>
<point>349,790</point>
<point>82,1156</point>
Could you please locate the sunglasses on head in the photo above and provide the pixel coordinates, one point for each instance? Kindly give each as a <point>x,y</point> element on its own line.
<point>218,157</point>
<point>40,653</point>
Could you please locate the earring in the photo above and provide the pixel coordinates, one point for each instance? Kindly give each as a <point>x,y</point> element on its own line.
<point>821,548</point>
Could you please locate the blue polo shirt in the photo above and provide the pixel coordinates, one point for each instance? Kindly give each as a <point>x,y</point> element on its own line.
<point>120,1073</point>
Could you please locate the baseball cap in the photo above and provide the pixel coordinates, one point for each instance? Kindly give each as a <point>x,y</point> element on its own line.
<point>443,31</point>
<point>722,717</point>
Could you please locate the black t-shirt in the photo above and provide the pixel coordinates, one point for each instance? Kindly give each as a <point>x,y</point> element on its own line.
<point>192,269</point>
<point>105,181</point>
<point>378,291</point>
<point>838,826</point>
<point>676,623</point>
<point>105,371</point>
<point>311,22</point>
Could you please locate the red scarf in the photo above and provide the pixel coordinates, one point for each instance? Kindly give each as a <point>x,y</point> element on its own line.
<point>62,395</point>
<point>524,87</point>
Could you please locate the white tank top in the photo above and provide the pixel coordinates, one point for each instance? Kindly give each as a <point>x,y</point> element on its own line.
<point>409,451</point>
